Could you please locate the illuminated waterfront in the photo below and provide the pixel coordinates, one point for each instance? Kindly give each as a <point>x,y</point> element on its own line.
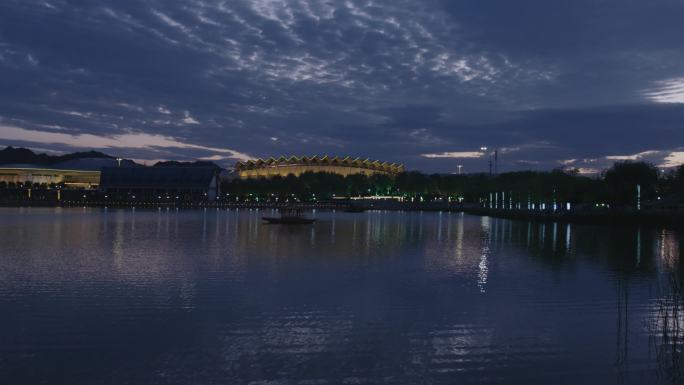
<point>96,296</point>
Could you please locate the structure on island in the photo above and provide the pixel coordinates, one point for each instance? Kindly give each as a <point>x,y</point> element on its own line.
<point>267,168</point>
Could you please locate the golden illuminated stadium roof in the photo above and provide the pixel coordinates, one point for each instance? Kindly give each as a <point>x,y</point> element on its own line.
<point>315,160</point>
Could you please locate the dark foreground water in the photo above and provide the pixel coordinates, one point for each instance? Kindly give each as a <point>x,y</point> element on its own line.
<point>94,296</point>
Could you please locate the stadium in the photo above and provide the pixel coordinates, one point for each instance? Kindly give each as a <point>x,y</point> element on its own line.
<point>283,166</point>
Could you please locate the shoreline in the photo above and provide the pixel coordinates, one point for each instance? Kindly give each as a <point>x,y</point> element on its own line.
<point>590,216</point>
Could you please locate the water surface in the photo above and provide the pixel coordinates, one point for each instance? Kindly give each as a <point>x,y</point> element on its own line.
<point>103,296</point>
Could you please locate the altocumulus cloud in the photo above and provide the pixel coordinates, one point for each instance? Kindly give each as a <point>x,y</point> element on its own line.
<point>421,82</point>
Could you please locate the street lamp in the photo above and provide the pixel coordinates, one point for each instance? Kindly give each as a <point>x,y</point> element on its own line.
<point>495,154</point>
<point>118,160</point>
<point>489,162</point>
<point>460,167</point>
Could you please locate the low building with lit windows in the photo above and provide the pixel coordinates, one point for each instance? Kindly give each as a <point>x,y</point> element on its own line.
<point>20,174</point>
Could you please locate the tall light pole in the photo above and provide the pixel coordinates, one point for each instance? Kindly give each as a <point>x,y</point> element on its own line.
<point>493,160</point>
<point>484,151</point>
<point>496,161</point>
<point>118,160</point>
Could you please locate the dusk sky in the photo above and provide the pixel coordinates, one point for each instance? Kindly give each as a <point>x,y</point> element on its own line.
<point>426,83</point>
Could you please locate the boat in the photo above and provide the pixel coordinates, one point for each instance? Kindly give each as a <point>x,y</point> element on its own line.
<point>290,216</point>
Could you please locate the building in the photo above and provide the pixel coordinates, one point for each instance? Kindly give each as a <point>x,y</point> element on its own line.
<point>160,183</point>
<point>81,173</point>
<point>298,165</point>
<point>68,178</point>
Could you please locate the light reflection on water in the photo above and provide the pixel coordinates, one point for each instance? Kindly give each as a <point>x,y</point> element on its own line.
<point>92,296</point>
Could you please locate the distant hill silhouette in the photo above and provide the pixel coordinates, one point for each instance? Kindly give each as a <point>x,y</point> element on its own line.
<point>174,163</point>
<point>24,155</point>
<point>82,160</point>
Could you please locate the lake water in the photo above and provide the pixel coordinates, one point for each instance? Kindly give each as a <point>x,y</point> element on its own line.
<point>97,296</point>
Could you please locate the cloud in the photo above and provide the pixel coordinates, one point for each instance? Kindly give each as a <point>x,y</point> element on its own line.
<point>127,141</point>
<point>673,159</point>
<point>405,81</point>
<point>588,171</point>
<point>215,158</point>
<point>187,119</point>
<point>667,91</point>
<point>455,155</point>
<point>641,155</point>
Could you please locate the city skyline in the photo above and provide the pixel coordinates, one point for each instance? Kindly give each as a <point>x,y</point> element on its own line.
<point>425,84</point>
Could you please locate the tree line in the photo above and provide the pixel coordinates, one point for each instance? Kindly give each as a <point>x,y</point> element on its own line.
<point>616,186</point>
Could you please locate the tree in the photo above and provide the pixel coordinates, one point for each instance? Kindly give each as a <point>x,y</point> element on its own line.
<point>622,179</point>
<point>677,183</point>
